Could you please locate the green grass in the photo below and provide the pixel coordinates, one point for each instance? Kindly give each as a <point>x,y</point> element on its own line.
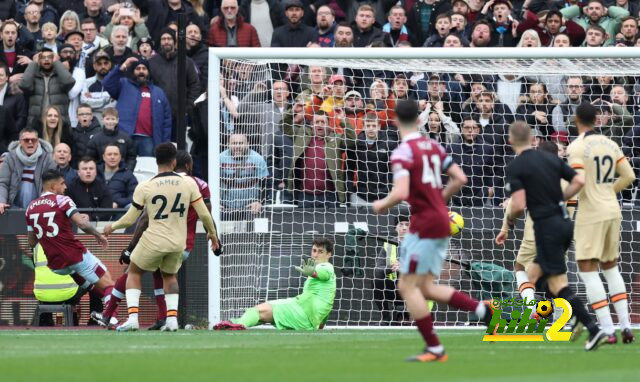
<point>327,356</point>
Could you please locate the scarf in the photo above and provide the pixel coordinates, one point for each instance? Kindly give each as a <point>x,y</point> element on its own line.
<point>387,29</point>
<point>31,160</point>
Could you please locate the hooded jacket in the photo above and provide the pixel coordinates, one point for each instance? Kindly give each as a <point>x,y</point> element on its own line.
<point>11,171</point>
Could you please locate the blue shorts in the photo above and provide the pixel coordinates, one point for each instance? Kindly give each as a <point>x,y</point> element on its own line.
<point>90,269</point>
<point>422,256</point>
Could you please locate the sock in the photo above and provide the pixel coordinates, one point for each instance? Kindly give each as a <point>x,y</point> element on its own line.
<point>172,306</point>
<point>425,327</point>
<point>133,301</point>
<point>618,294</point>
<point>158,292</point>
<point>117,294</point>
<point>250,318</point>
<point>598,299</point>
<point>525,287</point>
<point>579,310</point>
<point>463,301</point>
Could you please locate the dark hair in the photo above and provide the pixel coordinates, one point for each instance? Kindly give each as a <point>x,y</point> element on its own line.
<point>165,153</point>
<point>586,114</point>
<point>407,111</point>
<point>401,218</point>
<point>112,144</point>
<point>625,19</point>
<point>88,20</point>
<point>6,69</point>
<point>325,243</point>
<point>87,159</point>
<point>50,175</point>
<point>548,146</point>
<point>84,106</point>
<point>183,158</point>
<point>598,28</point>
<point>553,13</point>
<point>344,24</point>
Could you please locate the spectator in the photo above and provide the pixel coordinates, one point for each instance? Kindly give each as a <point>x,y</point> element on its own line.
<point>119,179</point>
<point>69,22</point>
<point>145,113</point>
<point>628,30</point>
<point>69,57</point>
<point>364,30</point>
<point>232,30</point>
<point>62,6</point>
<point>343,36</point>
<point>163,69</point>
<point>549,26</point>
<point>317,178</point>
<point>439,126</point>
<point>93,92</point>
<point>385,288</point>
<point>49,40</point>
<point>631,6</point>
<point>265,16</point>
<point>136,28</point>
<point>21,172</point>
<point>7,129</point>
<point>475,157</point>
<point>12,55</point>
<point>503,26</point>
<point>596,36</point>
<point>353,111</point>
<point>562,114</point>
<point>380,9</point>
<point>369,161</point>
<point>14,105</point>
<point>425,10</point>
<point>112,134</point>
<point>595,13</point>
<point>294,33</point>
<point>145,47</point>
<point>162,12</point>
<point>326,26</point>
<point>459,23</point>
<point>199,54</point>
<point>509,87</point>
<point>88,191</point>
<point>92,41</point>
<point>537,109</point>
<point>619,96</point>
<point>118,51</point>
<point>32,21</point>
<point>334,94</point>
<point>529,39</point>
<point>481,34</point>
<point>47,13</point>
<point>562,40</point>
<point>443,27</point>
<point>62,158</point>
<point>46,82</point>
<point>243,174</point>
<point>93,10</point>
<point>54,129</point>
<point>395,30</point>
<point>201,14</point>
<point>612,120</point>
<point>87,127</point>
<point>454,40</point>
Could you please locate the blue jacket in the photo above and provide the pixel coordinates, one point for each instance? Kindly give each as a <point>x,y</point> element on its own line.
<point>122,184</point>
<point>127,92</point>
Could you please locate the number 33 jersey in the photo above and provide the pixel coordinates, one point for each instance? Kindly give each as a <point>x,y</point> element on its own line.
<point>48,217</point>
<point>424,161</point>
<point>598,156</point>
<point>167,197</point>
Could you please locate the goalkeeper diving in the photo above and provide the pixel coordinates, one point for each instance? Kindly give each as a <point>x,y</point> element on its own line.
<point>307,311</point>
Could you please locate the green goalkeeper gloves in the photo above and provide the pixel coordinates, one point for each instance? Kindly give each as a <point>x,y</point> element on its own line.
<point>307,268</point>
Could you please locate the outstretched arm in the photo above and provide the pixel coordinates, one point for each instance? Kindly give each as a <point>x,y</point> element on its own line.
<point>126,221</point>
<point>457,179</point>
<point>399,193</point>
<point>207,221</point>
<point>82,221</point>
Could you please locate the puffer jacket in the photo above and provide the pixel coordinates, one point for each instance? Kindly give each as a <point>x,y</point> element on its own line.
<point>11,171</point>
<point>82,135</point>
<point>122,184</point>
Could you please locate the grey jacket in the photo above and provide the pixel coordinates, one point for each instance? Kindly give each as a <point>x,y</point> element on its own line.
<point>11,171</point>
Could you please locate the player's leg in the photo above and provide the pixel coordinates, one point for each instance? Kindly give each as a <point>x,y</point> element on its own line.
<point>618,296</point>
<point>172,296</point>
<point>117,294</point>
<point>133,292</point>
<point>161,305</point>
<point>448,295</point>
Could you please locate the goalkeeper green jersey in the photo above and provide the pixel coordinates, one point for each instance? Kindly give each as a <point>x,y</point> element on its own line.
<point>318,293</point>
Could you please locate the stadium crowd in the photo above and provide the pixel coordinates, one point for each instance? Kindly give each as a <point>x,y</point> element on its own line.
<point>88,86</point>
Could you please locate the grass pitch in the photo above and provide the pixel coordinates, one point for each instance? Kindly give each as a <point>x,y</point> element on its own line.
<point>327,356</point>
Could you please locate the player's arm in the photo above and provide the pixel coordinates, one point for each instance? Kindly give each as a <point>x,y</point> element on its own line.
<point>457,179</point>
<point>626,176</point>
<point>504,230</point>
<point>207,221</point>
<point>81,221</point>
<point>575,179</point>
<point>399,193</point>
<point>517,204</point>
<point>125,221</point>
<point>33,240</point>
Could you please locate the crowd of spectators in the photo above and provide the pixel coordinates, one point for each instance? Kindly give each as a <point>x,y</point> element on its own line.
<point>88,86</point>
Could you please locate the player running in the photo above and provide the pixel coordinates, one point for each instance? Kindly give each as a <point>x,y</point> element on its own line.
<point>417,166</point>
<point>307,311</point>
<point>49,219</point>
<point>162,244</point>
<point>184,166</point>
<point>597,230</point>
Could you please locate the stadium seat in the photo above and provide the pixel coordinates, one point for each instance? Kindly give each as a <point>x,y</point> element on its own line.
<point>146,168</point>
<point>66,309</point>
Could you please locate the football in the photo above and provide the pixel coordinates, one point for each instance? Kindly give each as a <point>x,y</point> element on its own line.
<point>544,308</point>
<point>456,221</point>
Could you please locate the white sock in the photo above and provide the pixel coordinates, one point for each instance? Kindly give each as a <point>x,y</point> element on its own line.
<point>172,305</point>
<point>527,289</point>
<point>436,349</point>
<point>598,299</point>
<point>618,296</point>
<point>557,312</point>
<point>133,302</point>
<point>481,310</point>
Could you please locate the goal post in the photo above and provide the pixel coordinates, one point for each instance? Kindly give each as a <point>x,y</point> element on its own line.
<point>263,243</point>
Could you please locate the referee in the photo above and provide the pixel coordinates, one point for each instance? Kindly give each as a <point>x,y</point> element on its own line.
<point>533,180</point>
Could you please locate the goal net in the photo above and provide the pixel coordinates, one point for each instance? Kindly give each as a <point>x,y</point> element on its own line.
<point>299,147</point>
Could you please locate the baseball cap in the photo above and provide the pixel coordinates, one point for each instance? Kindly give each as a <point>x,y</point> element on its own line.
<point>101,55</point>
<point>336,77</point>
<point>72,33</point>
<point>352,93</point>
<point>293,3</point>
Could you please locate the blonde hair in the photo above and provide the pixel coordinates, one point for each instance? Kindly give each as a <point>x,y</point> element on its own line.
<point>198,6</point>
<point>531,33</point>
<point>385,88</point>
<point>50,25</point>
<point>57,135</point>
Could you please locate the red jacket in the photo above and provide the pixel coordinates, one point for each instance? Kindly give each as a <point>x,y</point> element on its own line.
<point>246,35</point>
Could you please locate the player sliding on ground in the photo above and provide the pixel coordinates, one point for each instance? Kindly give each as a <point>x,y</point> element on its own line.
<point>418,163</point>
<point>166,197</point>
<point>308,311</point>
<point>598,220</point>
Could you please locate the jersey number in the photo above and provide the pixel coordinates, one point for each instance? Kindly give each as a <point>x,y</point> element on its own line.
<point>605,164</point>
<point>177,206</point>
<point>50,224</point>
<point>431,170</point>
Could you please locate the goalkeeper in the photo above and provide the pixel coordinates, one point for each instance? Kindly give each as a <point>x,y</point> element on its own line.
<point>307,311</point>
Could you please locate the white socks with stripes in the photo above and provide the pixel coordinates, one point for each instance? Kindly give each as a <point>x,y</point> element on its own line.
<point>618,295</point>
<point>598,299</point>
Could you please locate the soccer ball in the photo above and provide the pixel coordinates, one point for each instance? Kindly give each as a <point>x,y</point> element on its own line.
<point>544,308</point>
<point>456,221</point>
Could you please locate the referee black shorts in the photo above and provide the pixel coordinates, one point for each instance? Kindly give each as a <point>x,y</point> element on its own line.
<point>553,238</point>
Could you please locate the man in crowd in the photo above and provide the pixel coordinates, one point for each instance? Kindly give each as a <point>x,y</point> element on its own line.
<point>87,191</point>
<point>364,30</point>
<point>62,157</point>
<point>595,13</point>
<point>93,92</point>
<point>119,179</point>
<point>199,54</point>
<point>111,133</point>
<point>232,30</point>
<point>326,26</point>
<point>343,35</point>
<point>294,33</point>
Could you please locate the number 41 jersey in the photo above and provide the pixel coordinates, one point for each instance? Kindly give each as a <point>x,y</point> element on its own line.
<point>424,161</point>
<point>49,218</point>
<point>167,197</point>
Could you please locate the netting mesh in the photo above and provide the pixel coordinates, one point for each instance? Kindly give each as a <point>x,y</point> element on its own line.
<point>305,147</point>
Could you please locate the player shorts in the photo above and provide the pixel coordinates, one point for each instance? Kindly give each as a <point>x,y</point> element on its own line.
<point>90,269</point>
<point>289,315</point>
<point>598,240</point>
<point>526,253</point>
<point>151,259</point>
<point>422,256</point>
<point>553,238</point>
